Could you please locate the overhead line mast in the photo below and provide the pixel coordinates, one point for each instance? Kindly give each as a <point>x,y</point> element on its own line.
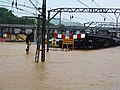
<point>43,33</point>
<point>43,30</point>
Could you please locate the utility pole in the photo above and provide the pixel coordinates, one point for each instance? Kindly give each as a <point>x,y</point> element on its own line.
<point>42,35</point>
<point>117,17</point>
<point>43,30</point>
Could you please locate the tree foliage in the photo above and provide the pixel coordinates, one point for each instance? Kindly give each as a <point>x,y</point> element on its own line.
<point>7,17</point>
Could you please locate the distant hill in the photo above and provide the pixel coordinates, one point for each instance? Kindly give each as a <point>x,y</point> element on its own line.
<point>66,23</point>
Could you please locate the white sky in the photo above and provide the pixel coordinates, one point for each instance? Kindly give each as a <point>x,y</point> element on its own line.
<point>79,17</point>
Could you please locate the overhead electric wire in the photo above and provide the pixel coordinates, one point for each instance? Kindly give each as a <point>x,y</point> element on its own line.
<point>95,3</point>
<point>83,3</point>
<point>76,22</point>
<point>5,2</point>
<point>11,3</point>
<point>37,2</point>
<point>18,4</point>
<point>8,4</point>
<point>4,5</point>
<point>25,11</point>
<point>41,4</point>
<point>20,12</point>
<point>99,6</point>
<point>80,18</point>
<point>89,7</point>
<point>18,9</point>
<point>35,7</point>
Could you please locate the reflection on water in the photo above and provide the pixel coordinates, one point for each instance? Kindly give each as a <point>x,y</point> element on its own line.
<point>74,70</point>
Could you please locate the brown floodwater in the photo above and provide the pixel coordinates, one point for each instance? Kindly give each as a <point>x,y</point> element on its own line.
<point>73,70</point>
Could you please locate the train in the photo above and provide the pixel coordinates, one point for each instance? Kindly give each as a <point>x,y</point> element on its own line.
<point>101,39</point>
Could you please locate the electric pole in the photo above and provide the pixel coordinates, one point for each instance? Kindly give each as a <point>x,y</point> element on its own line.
<point>43,30</point>
<point>42,35</point>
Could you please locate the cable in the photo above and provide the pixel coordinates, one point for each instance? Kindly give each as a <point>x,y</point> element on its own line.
<point>99,6</point>
<point>89,7</point>
<point>83,3</point>
<point>25,11</point>
<point>80,18</point>
<point>16,4</point>
<point>20,13</point>
<point>19,9</point>
<point>5,2</point>
<point>12,3</point>
<point>37,2</point>
<point>95,3</point>
<point>41,4</point>
<point>35,7</point>
<point>4,5</point>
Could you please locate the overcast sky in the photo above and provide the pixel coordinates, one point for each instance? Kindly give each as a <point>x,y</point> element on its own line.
<point>80,17</point>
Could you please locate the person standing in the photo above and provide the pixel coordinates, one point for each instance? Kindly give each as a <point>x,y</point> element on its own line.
<point>28,42</point>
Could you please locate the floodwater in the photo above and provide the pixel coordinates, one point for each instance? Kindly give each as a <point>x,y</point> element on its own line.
<point>73,70</point>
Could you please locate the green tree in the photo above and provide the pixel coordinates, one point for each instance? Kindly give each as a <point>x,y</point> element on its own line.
<point>7,17</point>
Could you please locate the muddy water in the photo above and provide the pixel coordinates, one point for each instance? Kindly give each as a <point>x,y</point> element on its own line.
<point>74,70</point>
